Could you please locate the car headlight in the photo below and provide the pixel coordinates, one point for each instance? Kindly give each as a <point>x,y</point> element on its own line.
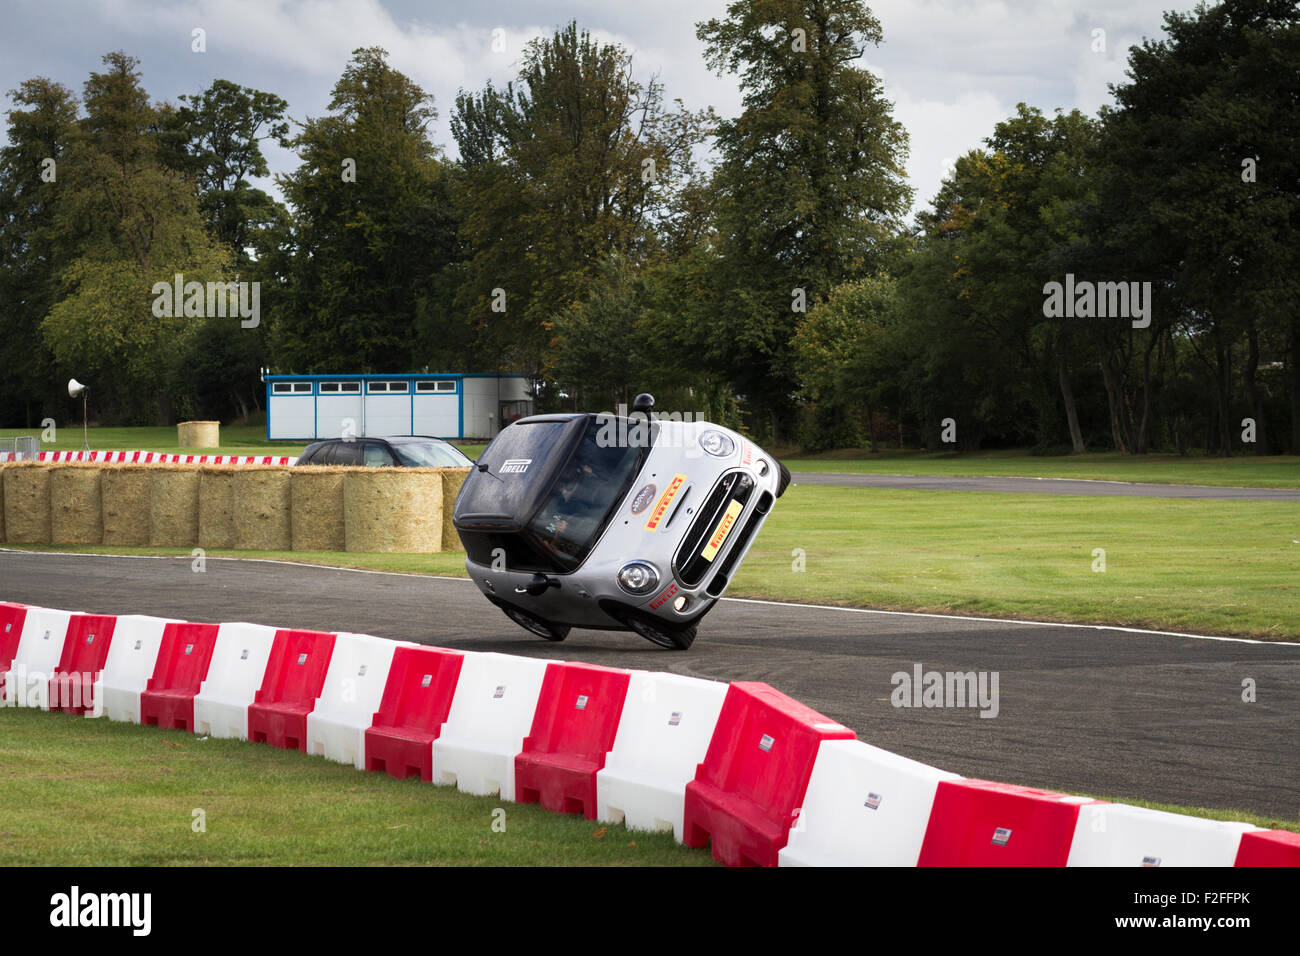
<point>716,443</point>
<point>638,577</point>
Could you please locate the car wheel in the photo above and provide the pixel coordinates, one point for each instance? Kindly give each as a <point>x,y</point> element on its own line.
<point>663,634</point>
<point>784,481</point>
<point>536,625</point>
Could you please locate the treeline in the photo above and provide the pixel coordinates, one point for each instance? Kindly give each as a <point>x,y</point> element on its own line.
<point>1126,281</point>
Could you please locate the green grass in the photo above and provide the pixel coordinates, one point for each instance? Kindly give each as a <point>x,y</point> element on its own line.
<point>1247,471</point>
<point>1217,567</point>
<point>78,792</point>
<point>1209,567</point>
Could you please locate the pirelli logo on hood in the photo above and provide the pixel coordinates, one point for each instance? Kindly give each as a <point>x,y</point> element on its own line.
<point>661,506</point>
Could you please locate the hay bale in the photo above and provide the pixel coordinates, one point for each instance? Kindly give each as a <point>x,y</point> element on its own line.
<point>76,511</point>
<point>125,491</point>
<point>217,505</point>
<point>262,508</point>
<point>452,479</point>
<point>174,507</point>
<point>393,509</point>
<point>199,434</point>
<point>316,508</point>
<point>27,502</point>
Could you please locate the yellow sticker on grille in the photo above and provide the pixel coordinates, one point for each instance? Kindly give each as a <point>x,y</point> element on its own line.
<point>722,530</point>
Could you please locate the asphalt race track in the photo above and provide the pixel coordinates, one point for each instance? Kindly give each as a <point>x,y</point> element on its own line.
<point>1089,710</point>
<point>1044,486</point>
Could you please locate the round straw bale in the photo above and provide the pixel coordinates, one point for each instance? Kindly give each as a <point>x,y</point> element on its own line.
<point>199,434</point>
<point>217,505</point>
<point>174,507</point>
<point>316,508</point>
<point>393,509</point>
<point>125,491</point>
<point>27,502</point>
<point>452,479</point>
<point>262,508</point>
<point>76,515</point>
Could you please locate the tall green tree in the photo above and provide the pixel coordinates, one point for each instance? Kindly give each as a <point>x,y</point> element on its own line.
<point>1201,190</point>
<point>41,125</point>
<point>574,161</point>
<point>126,222</point>
<point>215,137</point>
<point>811,182</point>
<point>372,230</point>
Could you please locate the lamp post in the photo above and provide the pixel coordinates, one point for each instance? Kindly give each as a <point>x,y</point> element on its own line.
<point>75,388</point>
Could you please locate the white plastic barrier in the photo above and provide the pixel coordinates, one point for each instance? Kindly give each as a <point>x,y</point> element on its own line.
<point>234,675</point>
<point>1116,834</point>
<point>663,735</point>
<point>864,807</point>
<point>128,665</point>
<point>27,682</point>
<point>490,716</point>
<point>353,688</point>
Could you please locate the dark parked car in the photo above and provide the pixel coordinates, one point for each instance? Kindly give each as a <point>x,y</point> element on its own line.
<point>410,451</point>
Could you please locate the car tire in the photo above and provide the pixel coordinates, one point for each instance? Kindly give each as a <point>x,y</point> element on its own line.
<point>536,625</point>
<point>663,634</point>
<point>784,481</point>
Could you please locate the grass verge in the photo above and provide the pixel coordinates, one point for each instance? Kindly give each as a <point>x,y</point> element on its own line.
<point>1209,567</point>
<point>1281,471</point>
<point>78,792</point>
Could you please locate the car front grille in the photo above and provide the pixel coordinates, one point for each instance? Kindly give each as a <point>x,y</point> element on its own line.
<point>695,557</point>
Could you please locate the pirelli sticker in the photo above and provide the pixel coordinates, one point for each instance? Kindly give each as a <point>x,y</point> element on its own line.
<point>660,509</point>
<point>723,529</point>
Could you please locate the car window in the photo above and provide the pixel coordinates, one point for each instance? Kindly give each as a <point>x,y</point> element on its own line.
<point>430,454</point>
<point>377,456</point>
<point>345,453</point>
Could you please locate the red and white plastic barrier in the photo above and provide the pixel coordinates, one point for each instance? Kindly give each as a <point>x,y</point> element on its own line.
<point>151,458</point>
<point>129,664</point>
<point>775,781</point>
<point>235,673</point>
<point>664,733</point>
<point>574,725</point>
<point>864,807</point>
<point>353,688</point>
<point>492,712</point>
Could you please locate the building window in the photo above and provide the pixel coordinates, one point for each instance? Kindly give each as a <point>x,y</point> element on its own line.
<point>290,388</point>
<point>438,386</point>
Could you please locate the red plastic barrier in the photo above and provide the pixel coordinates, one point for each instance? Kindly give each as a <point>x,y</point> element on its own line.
<point>295,673</point>
<point>755,773</point>
<point>982,823</point>
<point>1268,848</point>
<point>573,729</point>
<point>12,617</point>
<point>421,685</point>
<point>73,681</point>
<point>183,659</point>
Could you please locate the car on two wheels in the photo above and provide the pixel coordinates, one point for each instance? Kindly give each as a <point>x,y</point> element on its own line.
<point>613,522</point>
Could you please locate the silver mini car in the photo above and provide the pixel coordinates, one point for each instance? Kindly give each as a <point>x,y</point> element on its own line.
<point>613,522</point>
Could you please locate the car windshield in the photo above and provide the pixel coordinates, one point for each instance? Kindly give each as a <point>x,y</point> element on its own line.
<point>429,454</point>
<point>577,508</point>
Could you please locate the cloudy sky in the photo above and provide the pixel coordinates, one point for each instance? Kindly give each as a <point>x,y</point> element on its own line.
<point>953,68</point>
